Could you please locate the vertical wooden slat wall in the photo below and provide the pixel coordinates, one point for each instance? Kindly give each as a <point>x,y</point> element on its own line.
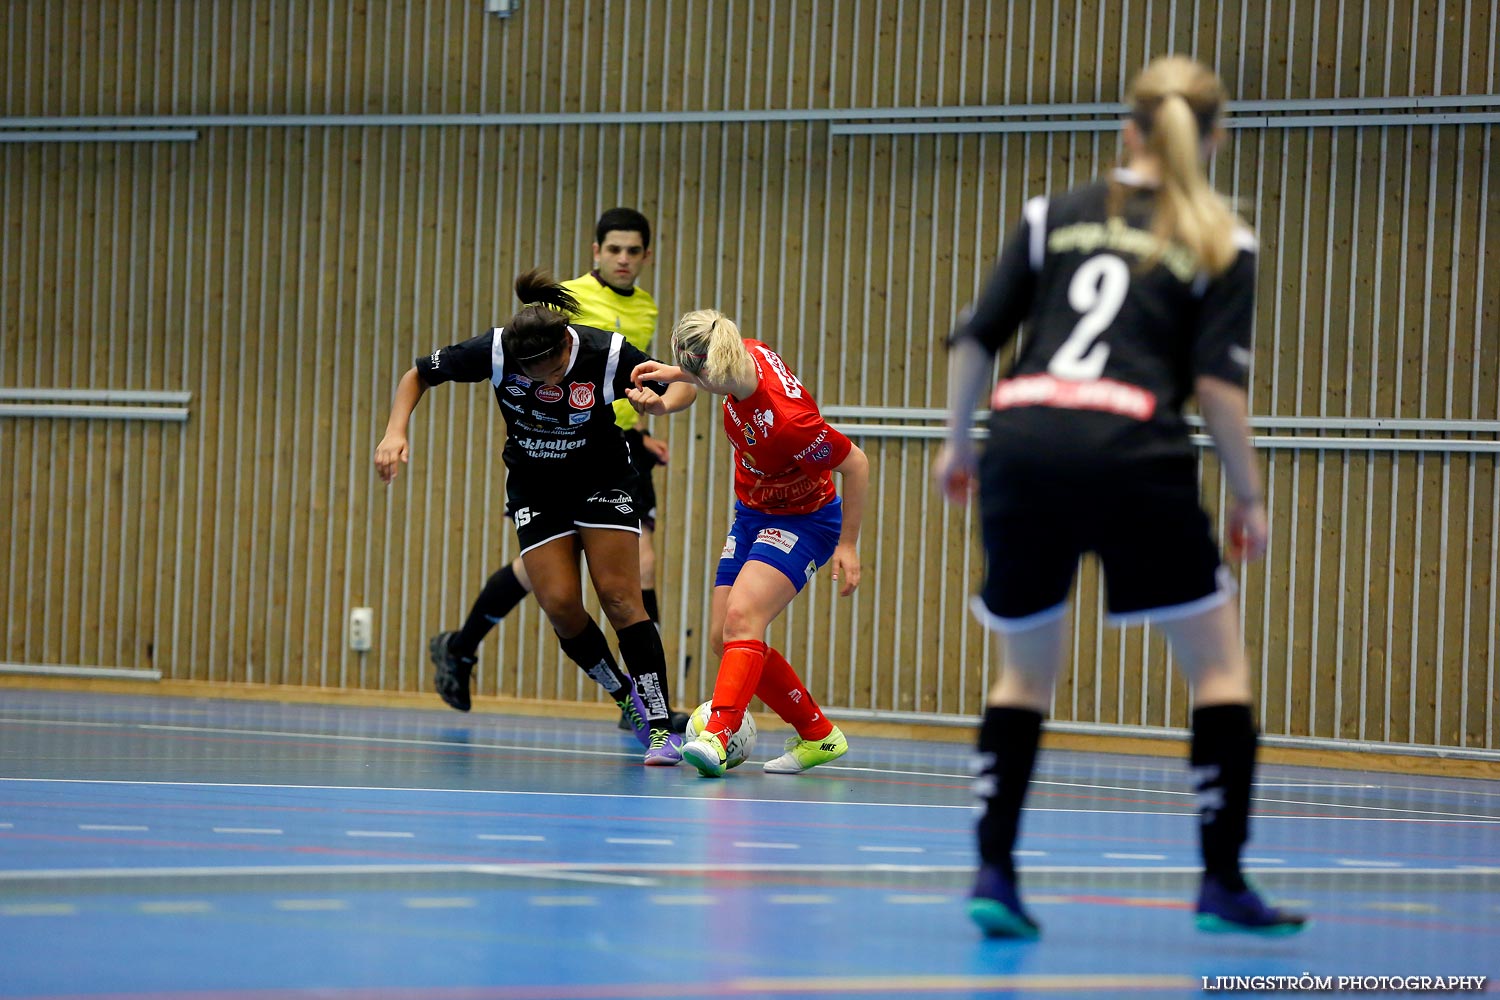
<point>287,275</point>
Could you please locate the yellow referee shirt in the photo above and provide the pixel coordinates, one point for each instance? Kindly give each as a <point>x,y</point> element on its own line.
<point>632,315</point>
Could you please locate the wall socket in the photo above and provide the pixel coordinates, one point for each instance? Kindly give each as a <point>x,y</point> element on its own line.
<point>361,629</point>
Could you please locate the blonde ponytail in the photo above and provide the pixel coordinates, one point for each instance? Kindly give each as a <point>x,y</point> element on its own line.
<point>1177,102</point>
<point>706,342</point>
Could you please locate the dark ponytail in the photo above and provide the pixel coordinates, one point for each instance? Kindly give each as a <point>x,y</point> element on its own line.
<point>539,330</point>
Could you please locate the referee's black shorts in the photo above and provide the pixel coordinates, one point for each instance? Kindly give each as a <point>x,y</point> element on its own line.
<point>645,490</point>
<point>1143,521</point>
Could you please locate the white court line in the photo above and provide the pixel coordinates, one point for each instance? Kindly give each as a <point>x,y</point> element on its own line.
<point>7,826</point>
<point>766,845</point>
<point>267,831</point>
<point>1312,784</point>
<point>877,849</point>
<point>310,905</point>
<point>37,910</point>
<point>439,903</point>
<point>509,836</point>
<point>563,901</point>
<point>1029,854</point>
<point>800,899</point>
<point>1361,863</point>
<point>172,907</point>
<point>1136,857</point>
<point>644,841</point>
<point>1263,861</point>
<point>921,900</point>
<point>399,834</point>
<point>599,871</point>
<point>684,900</point>
<point>115,827</point>
<point>1427,815</point>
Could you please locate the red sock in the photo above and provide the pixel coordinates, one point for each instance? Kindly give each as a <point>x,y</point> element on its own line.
<point>739,673</point>
<point>785,694</point>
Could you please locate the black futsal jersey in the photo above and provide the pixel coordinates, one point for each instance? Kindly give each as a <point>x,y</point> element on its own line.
<point>565,430</point>
<point>1112,346</point>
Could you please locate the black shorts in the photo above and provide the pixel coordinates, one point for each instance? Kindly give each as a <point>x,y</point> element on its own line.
<point>645,490</point>
<point>1154,542</point>
<point>543,510</point>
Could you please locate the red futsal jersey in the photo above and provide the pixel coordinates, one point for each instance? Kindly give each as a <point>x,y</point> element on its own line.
<point>784,450</point>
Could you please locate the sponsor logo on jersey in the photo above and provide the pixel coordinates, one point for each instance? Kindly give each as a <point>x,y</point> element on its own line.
<point>1102,394</point>
<point>538,446</point>
<point>812,569</point>
<point>789,381</point>
<point>512,406</point>
<point>732,415</point>
<point>822,454</point>
<point>436,358</point>
<point>808,451</point>
<point>750,467</point>
<point>763,420</point>
<point>796,695</point>
<point>545,418</point>
<point>549,393</point>
<point>515,390</point>
<point>520,380</point>
<point>581,395</point>
<point>579,418</point>
<point>777,538</point>
<point>728,552</point>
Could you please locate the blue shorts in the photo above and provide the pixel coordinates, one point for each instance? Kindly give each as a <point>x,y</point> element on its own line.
<point>796,544</point>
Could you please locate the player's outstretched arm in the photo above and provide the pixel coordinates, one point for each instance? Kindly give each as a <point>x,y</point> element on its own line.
<point>679,396</point>
<point>394,449</point>
<point>855,470</point>
<point>1226,412</point>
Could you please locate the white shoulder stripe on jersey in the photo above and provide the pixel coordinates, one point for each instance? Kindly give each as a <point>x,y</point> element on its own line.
<point>1035,213</point>
<point>497,355</point>
<point>1245,239</point>
<point>616,341</point>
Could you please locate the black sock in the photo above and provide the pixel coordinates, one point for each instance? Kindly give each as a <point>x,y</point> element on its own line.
<point>640,648</point>
<point>648,598</point>
<point>502,591</point>
<point>1223,761</point>
<point>589,650</point>
<point>1008,742</point>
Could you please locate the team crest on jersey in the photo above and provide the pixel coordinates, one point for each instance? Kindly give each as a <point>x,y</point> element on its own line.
<point>581,395</point>
<point>548,393</point>
<point>749,434</point>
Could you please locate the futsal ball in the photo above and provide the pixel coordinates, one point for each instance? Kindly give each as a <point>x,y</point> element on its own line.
<point>740,744</point>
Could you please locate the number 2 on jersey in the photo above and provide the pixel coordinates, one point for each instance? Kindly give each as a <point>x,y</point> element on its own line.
<point>1097,291</point>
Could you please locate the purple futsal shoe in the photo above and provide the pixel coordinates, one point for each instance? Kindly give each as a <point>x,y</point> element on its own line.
<point>665,749</point>
<point>1222,911</point>
<point>996,907</point>
<point>634,710</point>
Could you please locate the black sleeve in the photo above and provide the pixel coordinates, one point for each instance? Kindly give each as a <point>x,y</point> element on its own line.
<point>471,361</point>
<point>1222,347</point>
<point>630,356</point>
<point>1006,298</point>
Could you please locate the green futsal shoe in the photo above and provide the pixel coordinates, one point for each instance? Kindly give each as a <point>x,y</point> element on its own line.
<point>802,754</point>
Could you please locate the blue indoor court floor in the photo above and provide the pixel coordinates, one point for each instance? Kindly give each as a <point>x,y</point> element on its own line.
<point>191,848</point>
